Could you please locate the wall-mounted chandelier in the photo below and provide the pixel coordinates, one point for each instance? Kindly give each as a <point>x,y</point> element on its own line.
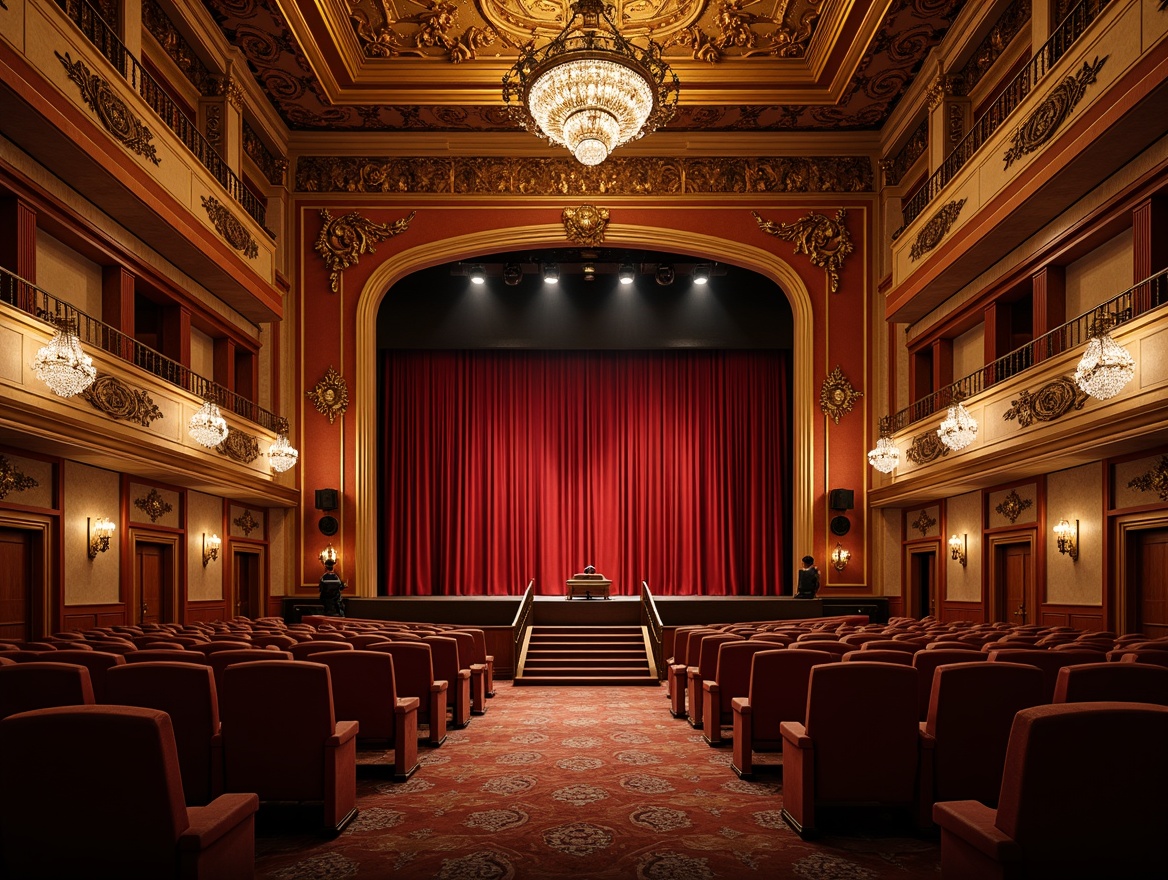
<point>1106,366</point>
<point>590,89</point>
<point>61,364</point>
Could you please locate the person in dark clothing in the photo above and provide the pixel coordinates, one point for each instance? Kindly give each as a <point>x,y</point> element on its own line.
<point>808,579</point>
<point>330,591</point>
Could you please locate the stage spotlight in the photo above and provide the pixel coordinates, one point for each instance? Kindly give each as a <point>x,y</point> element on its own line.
<point>512,274</point>
<point>627,273</point>
<point>551,273</point>
<point>664,274</point>
<point>477,275</point>
<point>701,274</point>
<point>589,271</point>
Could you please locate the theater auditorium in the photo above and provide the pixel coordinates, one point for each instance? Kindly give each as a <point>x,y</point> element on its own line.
<point>539,440</point>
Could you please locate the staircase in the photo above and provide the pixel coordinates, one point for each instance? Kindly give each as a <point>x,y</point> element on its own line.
<point>586,655</point>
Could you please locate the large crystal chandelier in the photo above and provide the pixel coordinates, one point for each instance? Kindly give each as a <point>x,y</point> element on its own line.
<point>61,364</point>
<point>282,455</point>
<point>958,428</point>
<point>1106,366</point>
<point>207,426</point>
<point>886,456</point>
<point>590,89</point>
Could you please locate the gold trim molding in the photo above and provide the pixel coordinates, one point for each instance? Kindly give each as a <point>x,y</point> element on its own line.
<point>112,112</point>
<point>330,395</point>
<point>824,241</point>
<point>586,224</point>
<point>836,395</point>
<point>343,240</point>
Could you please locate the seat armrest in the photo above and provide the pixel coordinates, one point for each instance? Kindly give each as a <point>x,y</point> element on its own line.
<point>741,704</point>
<point>407,704</point>
<point>796,734</point>
<point>710,686</point>
<point>478,667</point>
<point>216,819</point>
<point>439,685</point>
<point>345,731</point>
<point>464,675</point>
<point>973,822</point>
<point>927,741</point>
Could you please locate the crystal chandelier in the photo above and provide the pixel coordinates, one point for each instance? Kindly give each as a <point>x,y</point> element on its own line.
<point>958,428</point>
<point>282,454</point>
<point>886,456</point>
<point>207,426</point>
<point>1106,366</point>
<point>590,89</point>
<point>61,364</point>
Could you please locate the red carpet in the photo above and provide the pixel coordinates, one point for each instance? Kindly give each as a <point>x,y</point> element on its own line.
<point>582,782</point>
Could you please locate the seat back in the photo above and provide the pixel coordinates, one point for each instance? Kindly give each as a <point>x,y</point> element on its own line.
<point>467,650</point>
<point>693,645</point>
<point>220,645</point>
<point>778,688</point>
<point>862,719</point>
<point>413,670</point>
<point>1122,682</point>
<point>733,669</point>
<point>1050,662</point>
<point>159,655</point>
<point>220,660</point>
<point>97,662</point>
<point>445,657</point>
<point>906,646</point>
<point>831,646</point>
<point>39,685</point>
<point>902,658</point>
<point>478,644</point>
<point>1144,655</point>
<point>1048,786</point>
<point>186,692</point>
<point>708,654</point>
<point>305,650</point>
<point>971,709</point>
<point>276,716</point>
<point>926,663</point>
<point>364,690</point>
<point>108,776</point>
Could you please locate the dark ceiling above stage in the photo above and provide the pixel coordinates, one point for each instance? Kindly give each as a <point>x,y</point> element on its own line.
<point>439,308</point>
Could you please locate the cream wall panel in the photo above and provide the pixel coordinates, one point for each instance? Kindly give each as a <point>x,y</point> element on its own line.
<point>281,527</point>
<point>963,517</point>
<point>12,356</point>
<point>39,495</point>
<point>1027,503</point>
<point>1152,359</point>
<point>90,492</point>
<point>246,522</point>
<point>1075,494</point>
<point>1125,494</point>
<point>204,582</point>
<point>969,352</point>
<point>891,576</point>
<point>68,275</point>
<point>924,522</point>
<point>1100,275</point>
<point>202,354</point>
<point>154,506</point>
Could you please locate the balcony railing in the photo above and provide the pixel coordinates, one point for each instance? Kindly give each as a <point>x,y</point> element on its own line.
<point>95,29</point>
<point>1064,36</point>
<point>27,297</point>
<point>1139,299</point>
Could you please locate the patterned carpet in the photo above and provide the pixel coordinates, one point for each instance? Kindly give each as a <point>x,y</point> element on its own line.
<point>582,782</point>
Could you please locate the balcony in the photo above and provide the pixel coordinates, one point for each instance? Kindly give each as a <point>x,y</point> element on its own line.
<point>1032,416</point>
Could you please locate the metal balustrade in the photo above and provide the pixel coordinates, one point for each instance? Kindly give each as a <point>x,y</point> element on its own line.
<point>1139,299</point>
<point>99,33</point>
<point>27,297</point>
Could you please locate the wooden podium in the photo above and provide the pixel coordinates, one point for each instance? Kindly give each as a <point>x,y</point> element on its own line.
<point>588,586</point>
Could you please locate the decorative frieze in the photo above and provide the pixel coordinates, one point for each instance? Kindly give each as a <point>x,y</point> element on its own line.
<point>926,448</point>
<point>1050,402</point>
<point>1046,119</point>
<point>936,229</point>
<point>13,480</point>
<point>1153,480</point>
<point>240,446</point>
<point>112,112</point>
<point>585,225</point>
<point>229,226</point>
<point>116,399</point>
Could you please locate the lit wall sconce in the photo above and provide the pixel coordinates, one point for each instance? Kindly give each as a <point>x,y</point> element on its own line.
<point>840,557</point>
<point>329,554</point>
<point>959,549</point>
<point>210,548</point>
<point>1068,538</point>
<point>99,531</point>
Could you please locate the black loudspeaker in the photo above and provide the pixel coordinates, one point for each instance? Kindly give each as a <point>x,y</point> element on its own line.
<point>326,499</point>
<point>840,525</point>
<point>842,499</point>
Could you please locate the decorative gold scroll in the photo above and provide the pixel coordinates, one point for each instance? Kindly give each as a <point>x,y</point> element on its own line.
<point>1050,402</point>
<point>1048,117</point>
<point>246,522</point>
<point>13,480</point>
<point>1012,506</point>
<point>330,395</point>
<point>343,240</point>
<point>112,112</point>
<point>923,523</point>
<point>936,229</point>
<point>826,242</point>
<point>118,400</point>
<point>836,395</point>
<point>240,446</point>
<point>586,224</point>
<point>925,448</point>
<point>228,226</point>
<point>1155,480</point>
<point>153,505</point>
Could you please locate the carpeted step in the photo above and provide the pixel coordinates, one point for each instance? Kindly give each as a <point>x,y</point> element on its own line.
<point>597,680</point>
<point>601,655</point>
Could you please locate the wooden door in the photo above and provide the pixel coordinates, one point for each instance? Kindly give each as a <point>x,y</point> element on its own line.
<point>922,599</point>
<point>152,573</point>
<point>1016,583</point>
<point>1151,582</point>
<point>16,583</point>
<point>248,580</point>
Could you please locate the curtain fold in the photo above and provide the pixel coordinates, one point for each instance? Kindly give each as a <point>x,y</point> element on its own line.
<point>671,467</point>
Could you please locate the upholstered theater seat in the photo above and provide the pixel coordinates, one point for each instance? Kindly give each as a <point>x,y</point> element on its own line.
<point>220,660</point>
<point>963,740</point>
<point>281,738</point>
<point>97,662</point>
<point>481,656</point>
<point>467,651</point>
<point>185,691</point>
<point>777,693</point>
<point>305,650</point>
<point>1082,797</point>
<point>677,681</point>
<point>172,655</point>
<point>926,663</point>
<point>96,792</point>
<point>413,669</point>
<point>445,655</point>
<point>1122,682</point>
<point>879,655</point>
<point>731,679</point>
<point>1050,662</point>
<point>857,744</point>
<point>705,668</point>
<point>36,684</point>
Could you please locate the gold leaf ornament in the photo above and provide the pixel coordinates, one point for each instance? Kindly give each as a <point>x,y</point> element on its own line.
<point>837,396</point>
<point>330,395</point>
<point>586,224</point>
<point>343,240</point>
<point>824,241</point>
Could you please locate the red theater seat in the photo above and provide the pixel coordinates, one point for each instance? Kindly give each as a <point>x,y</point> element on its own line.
<point>305,650</point>
<point>40,685</point>
<point>1050,662</point>
<point>1105,762</point>
<point>445,656</point>
<point>480,656</point>
<point>677,680</point>
<point>1114,682</point>
<point>97,662</point>
<point>731,679</point>
<point>467,651</point>
<point>926,663</point>
<point>857,744</point>
<point>96,792</point>
<point>705,668</point>
<point>413,670</point>
<point>879,655</point>
<point>282,740</point>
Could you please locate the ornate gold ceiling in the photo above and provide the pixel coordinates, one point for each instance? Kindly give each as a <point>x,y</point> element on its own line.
<point>437,65</point>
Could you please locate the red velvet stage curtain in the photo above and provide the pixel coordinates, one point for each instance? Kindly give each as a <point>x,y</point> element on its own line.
<point>666,466</point>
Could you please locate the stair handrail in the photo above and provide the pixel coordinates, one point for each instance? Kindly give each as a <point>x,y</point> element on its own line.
<point>522,622</point>
<point>651,620</point>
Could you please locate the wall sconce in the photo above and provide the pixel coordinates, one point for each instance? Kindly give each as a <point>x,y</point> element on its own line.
<point>840,557</point>
<point>329,554</point>
<point>210,548</point>
<point>98,531</point>
<point>1068,538</point>
<point>959,549</point>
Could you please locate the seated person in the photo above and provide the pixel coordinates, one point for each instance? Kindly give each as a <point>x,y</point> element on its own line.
<point>808,579</point>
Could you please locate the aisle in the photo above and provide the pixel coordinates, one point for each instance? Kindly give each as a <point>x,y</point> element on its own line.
<point>580,782</point>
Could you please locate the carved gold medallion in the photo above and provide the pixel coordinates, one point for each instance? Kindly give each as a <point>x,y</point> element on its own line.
<point>586,224</point>
<point>330,395</point>
<point>836,395</point>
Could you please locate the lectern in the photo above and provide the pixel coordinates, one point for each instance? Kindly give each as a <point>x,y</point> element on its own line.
<point>588,584</point>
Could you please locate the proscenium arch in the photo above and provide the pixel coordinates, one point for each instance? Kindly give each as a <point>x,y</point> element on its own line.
<point>552,236</point>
